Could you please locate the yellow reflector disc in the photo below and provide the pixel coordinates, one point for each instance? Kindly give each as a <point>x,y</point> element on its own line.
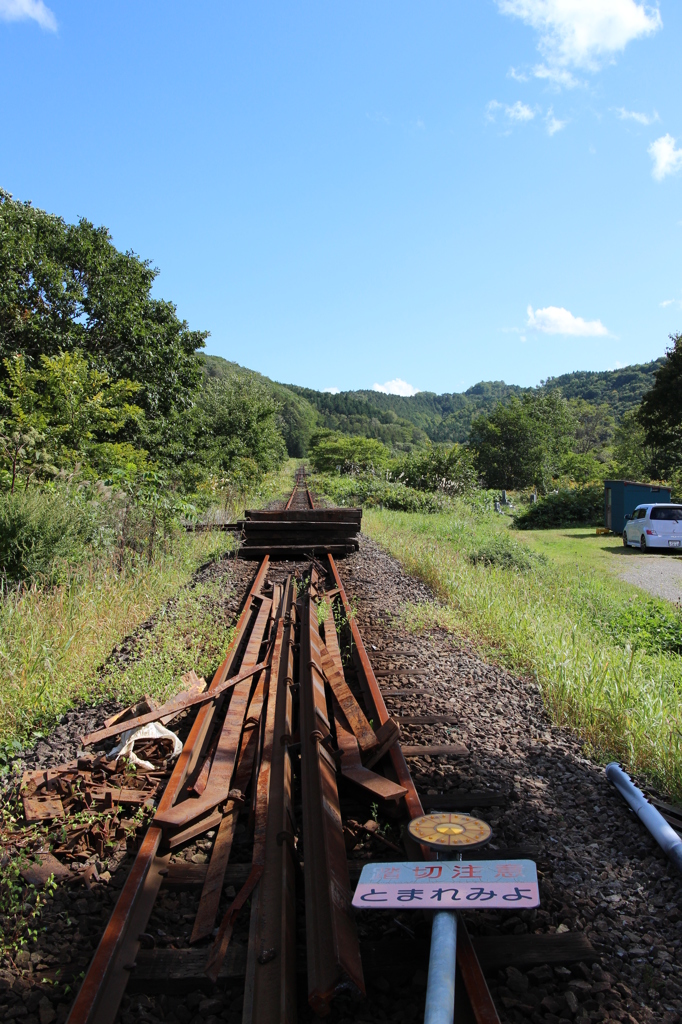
<point>450,830</point>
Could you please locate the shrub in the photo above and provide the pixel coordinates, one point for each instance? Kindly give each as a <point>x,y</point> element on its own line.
<point>644,624</point>
<point>583,506</point>
<point>38,527</point>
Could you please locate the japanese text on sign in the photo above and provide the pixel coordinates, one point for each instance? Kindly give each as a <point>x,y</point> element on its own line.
<point>451,884</point>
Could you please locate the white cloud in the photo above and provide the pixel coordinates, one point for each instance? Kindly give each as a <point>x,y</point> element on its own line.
<point>557,320</point>
<point>633,115</point>
<point>520,112</point>
<point>582,33</point>
<point>553,123</point>
<point>671,302</point>
<point>33,10</point>
<point>516,112</point>
<point>396,387</point>
<point>518,76</point>
<point>557,76</point>
<point>666,157</point>
<point>331,391</point>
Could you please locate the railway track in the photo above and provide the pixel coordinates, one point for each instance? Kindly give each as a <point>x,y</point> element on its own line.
<point>277,747</point>
<point>293,775</point>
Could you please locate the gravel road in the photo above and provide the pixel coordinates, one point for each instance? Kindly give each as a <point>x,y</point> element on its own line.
<point>660,575</point>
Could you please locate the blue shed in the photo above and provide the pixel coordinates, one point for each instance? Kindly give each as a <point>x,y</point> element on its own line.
<point>621,498</point>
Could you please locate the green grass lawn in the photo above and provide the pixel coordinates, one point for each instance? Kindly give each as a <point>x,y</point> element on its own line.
<point>581,546</point>
<point>549,604</point>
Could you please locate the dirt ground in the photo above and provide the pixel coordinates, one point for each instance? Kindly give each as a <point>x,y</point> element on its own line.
<point>600,871</point>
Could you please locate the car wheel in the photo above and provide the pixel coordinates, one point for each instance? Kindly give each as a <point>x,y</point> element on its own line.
<point>625,539</point>
<point>642,543</point>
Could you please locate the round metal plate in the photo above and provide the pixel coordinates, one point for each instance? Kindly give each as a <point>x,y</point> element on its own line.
<point>453,831</point>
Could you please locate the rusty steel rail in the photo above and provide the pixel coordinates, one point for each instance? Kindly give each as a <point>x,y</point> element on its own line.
<point>270,985</point>
<point>474,980</point>
<point>332,942</point>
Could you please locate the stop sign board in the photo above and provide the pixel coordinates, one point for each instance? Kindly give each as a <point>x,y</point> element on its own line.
<point>449,885</point>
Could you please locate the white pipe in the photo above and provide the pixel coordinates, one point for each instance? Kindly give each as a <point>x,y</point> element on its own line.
<point>440,987</point>
<point>666,837</point>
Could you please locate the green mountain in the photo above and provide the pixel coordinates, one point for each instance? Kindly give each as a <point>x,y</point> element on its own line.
<point>405,422</point>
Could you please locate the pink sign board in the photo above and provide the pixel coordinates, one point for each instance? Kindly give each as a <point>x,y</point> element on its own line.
<point>449,884</point>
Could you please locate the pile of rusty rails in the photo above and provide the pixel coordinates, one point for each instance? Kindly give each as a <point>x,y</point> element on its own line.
<point>292,720</point>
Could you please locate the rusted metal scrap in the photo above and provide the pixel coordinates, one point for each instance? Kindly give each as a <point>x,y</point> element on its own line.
<point>64,792</point>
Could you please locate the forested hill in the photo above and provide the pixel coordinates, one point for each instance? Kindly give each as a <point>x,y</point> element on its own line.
<point>621,390</point>
<point>406,421</point>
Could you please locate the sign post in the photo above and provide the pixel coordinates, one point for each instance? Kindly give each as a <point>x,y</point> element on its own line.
<point>446,886</point>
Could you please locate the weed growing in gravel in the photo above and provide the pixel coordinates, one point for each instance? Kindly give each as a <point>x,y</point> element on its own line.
<point>617,683</point>
<point>20,905</point>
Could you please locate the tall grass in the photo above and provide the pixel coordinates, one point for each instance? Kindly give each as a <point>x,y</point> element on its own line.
<point>54,638</point>
<point>566,627</point>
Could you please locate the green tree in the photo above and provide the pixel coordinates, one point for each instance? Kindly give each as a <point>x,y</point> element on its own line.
<point>660,413</point>
<point>75,411</point>
<point>522,443</point>
<point>593,428</point>
<point>65,287</point>
<point>235,427</point>
<point>330,452</point>
<point>632,458</point>
<point>449,468</point>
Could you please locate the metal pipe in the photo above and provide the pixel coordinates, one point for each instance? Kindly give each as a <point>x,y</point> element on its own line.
<point>440,987</point>
<point>666,837</point>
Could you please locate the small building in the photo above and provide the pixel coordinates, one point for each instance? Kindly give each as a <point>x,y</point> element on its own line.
<point>621,498</point>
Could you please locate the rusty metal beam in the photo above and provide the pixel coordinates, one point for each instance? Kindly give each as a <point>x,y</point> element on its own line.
<point>270,990</point>
<point>220,946</point>
<point>367,676</point>
<point>218,785</point>
<point>352,767</point>
<point>352,711</point>
<point>211,892</point>
<point>332,944</point>
<point>174,707</point>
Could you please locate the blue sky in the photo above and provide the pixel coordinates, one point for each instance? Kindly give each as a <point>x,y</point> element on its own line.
<point>350,194</point>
